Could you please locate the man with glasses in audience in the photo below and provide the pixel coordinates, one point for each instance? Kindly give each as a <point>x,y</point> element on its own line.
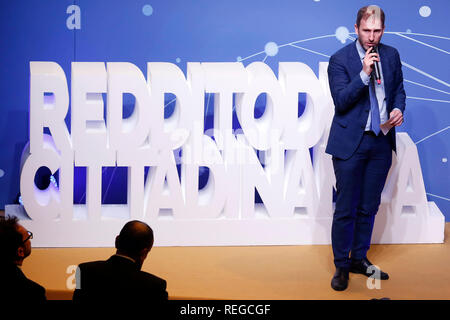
<point>15,246</point>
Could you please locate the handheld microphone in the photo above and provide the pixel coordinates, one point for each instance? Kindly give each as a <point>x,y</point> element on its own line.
<point>376,68</point>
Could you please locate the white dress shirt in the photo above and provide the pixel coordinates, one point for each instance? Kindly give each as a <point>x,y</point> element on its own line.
<point>379,89</point>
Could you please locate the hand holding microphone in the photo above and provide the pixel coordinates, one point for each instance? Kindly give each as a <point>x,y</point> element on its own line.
<point>377,66</point>
<point>371,63</point>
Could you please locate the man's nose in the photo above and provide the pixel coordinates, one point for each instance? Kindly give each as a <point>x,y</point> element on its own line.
<point>371,36</point>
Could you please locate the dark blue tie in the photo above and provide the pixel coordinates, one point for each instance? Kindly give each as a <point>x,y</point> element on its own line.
<point>374,111</point>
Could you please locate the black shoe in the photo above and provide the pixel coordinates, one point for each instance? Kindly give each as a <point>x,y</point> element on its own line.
<point>366,268</point>
<point>340,279</point>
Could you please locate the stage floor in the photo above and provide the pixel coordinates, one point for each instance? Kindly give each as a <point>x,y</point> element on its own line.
<point>264,272</point>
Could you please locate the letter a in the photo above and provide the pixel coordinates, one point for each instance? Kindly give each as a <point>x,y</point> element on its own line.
<point>74,20</point>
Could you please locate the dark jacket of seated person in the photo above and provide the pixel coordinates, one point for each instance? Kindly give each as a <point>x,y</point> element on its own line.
<point>16,287</point>
<point>15,247</point>
<point>120,279</point>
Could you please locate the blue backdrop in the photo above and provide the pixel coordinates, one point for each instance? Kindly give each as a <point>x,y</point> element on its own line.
<point>181,31</point>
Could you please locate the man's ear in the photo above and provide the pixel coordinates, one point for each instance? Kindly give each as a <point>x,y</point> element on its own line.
<point>21,252</point>
<point>144,253</point>
<point>356,29</point>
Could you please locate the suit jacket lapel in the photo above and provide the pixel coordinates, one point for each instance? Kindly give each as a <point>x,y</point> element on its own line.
<point>355,64</point>
<point>384,65</point>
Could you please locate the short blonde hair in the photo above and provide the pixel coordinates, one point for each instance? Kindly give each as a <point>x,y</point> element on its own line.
<point>368,11</point>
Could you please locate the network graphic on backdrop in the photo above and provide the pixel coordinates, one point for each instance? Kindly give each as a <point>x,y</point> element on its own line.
<point>343,35</point>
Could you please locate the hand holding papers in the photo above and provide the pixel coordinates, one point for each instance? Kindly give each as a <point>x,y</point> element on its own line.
<point>385,127</point>
<point>395,119</point>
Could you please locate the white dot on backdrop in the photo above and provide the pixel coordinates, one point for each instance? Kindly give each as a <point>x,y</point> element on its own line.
<point>178,60</point>
<point>408,31</point>
<point>271,49</point>
<point>238,59</point>
<point>444,160</point>
<point>342,34</point>
<point>425,11</point>
<point>147,10</point>
<point>2,173</point>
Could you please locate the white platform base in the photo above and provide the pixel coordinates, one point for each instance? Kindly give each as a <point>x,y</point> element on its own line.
<point>300,230</point>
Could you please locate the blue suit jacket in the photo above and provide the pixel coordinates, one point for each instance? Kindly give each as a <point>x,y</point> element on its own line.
<point>351,97</point>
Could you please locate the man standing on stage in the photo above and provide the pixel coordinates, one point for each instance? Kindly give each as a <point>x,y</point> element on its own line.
<point>364,99</point>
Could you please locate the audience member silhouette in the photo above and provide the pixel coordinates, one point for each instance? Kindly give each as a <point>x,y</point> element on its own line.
<point>15,246</point>
<point>120,279</point>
